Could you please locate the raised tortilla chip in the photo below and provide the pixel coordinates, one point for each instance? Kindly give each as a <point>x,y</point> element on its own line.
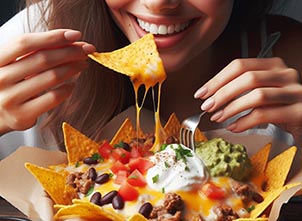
<point>139,60</point>
<point>172,127</point>
<point>125,133</point>
<point>87,210</point>
<point>277,169</point>
<point>78,146</point>
<point>199,136</point>
<point>259,159</point>
<point>54,183</point>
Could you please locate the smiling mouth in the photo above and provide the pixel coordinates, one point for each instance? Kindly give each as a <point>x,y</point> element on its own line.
<point>163,29</point>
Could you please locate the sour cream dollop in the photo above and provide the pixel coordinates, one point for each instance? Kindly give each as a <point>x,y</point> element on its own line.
<point>176,168</point>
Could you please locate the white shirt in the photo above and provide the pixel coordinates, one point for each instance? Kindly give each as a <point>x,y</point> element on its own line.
<point>17,26</point>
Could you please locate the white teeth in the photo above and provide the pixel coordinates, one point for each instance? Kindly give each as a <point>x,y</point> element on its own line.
<point>162,29</point>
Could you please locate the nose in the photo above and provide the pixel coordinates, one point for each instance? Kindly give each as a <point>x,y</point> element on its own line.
<point>160,5</point>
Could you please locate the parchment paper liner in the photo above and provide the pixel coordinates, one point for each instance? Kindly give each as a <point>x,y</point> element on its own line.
<point>21,189</point>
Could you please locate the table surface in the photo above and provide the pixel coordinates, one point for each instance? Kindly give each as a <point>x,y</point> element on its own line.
<point>291,211</point>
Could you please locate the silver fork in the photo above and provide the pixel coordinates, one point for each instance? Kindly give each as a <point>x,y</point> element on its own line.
<point>189,125</point>
<point>187,130</point>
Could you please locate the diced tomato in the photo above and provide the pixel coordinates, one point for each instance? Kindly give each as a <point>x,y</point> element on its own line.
<point>144,150</point>
<point>140,164</point>
<point>121,176</point>
<point>105,150</point>
<point>213,192</point>
<point>117,166</point>
<point>120,154</point>
<point>135,152</point>
<point>136,179</point>
<point>128,192</point>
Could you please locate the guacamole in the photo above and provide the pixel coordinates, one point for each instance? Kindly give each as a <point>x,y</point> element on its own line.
<point>224,159</point>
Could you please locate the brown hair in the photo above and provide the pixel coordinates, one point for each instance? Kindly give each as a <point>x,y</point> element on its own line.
<point>100,93</point>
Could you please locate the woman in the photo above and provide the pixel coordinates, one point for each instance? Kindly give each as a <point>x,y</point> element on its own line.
<point>196,40</point>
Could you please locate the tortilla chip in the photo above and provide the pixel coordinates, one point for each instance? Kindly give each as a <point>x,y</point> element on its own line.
<point>137,217</point>
<point>259,160</point>
<point>54,183</point>
<point>269,197</point>
<point>199,136</point>
<point>277,169</point>
<point>78,146</point>
<point>139,60</point>
<point>172,127</point>
<point>125,133</point>
<point>87,210</point>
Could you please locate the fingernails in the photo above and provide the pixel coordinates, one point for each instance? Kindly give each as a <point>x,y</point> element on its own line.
<point>207,104</point>
<point>72,35</point>
<point>232,127</point>
<point>200,92</point>
<point>88,48</point>
<point>217,115</point>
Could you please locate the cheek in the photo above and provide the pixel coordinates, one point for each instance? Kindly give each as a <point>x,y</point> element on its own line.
<point>116,4</point>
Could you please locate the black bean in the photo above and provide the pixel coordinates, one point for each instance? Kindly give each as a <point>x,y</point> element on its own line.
<point>90,160</point>
<point>92,174</point>
<point>126,146</point>
<point>96,198</point>
<point>146,209</point>
<point>108,197</point>
<point>257,197</point>
<point>118,202</point>
<point>102,178</point>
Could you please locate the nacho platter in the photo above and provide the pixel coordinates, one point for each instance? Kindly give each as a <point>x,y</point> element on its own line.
<point>124,178</point>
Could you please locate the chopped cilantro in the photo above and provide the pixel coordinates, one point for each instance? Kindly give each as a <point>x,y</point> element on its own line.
<point>163,147</point>
<point>119,145</point>
<point>90,190</point>
<point>77,164</point>
<point>133,177</point>
<point>155,178</point>
<point>182,153</point>
<point>251,208</point>
<point>167,165</point>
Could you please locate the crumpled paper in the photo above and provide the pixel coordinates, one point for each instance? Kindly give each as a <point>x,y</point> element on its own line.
<point>22,190</point>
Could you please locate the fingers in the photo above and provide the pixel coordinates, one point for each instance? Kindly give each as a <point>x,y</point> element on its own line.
<point>246,82</point>
<point>24,90</point>
<point>288,114</point>
<point>235,69</point>
<point>258,98</point>
<point>47,101</point>
<point>24,116</point>
<point>39,62</point>
<point>30,42</point>
<point>261,87</point>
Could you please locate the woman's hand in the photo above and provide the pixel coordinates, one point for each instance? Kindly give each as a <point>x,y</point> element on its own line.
<point>267,87</point>
<point>36,72</point>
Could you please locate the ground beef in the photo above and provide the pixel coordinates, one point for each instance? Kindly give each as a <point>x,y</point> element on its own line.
<point>246,192</point>
<point>171,210</point>
<point>80,181</point>
<point>225,213</point>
